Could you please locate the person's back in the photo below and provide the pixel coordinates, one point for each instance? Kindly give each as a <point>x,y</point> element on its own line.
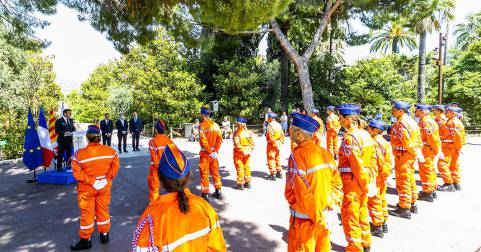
<point>210,134</point>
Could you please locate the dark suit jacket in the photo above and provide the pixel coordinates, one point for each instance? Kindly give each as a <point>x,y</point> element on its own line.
<point>121,128</point>
<point>135,126</point>
<point>61,127</point>
<point>106,127</point>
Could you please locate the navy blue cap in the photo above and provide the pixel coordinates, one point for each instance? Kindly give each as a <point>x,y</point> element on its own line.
<point>331,108</point>
<point>315,111</point>
<point>400,104</point>
<point>439,106</point>
<point>305,123</point>
<point>204,111</point>
<point>378,124</point>
<point>160,126</point>
<point>173,162</point>
<point>423,106</point>
<point>349,109</point>
<point>454,109</point>
<point>93,129</point>
<point>241,120</point>
<point>271,115</point>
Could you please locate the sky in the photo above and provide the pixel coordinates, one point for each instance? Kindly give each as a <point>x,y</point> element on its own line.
<point>78,48</point>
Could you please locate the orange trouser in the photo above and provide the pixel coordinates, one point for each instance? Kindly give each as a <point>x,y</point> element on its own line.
<point>332,142</point>
<point>405,182</point>
<point>304,236</point>
<point>206,165</point>
<point>449,167</point>
<point>427,172</point>
<point>354,215</point>
<point>273,159</point>
<point>375,207</point>
<point>242,165</point>
<point>94,205</point>
<point>154,183</point>
<point>382,193</point>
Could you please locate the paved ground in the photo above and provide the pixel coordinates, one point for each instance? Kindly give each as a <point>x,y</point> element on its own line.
<point>45,217</point>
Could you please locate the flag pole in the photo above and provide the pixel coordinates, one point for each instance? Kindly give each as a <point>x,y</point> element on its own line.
<point>34,179</point>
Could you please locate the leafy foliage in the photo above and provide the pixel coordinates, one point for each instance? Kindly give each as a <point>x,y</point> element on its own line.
<point>468,32</point>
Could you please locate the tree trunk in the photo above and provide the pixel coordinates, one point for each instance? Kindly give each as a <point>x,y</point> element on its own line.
<point>395,45</point>
<point>421,69</point>
<point>305,83</point>
<point>284,81</point>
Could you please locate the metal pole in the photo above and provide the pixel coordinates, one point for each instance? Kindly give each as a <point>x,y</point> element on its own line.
<point>440,73</point>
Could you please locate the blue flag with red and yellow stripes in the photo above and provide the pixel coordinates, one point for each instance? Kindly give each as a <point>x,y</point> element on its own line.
<point>32,151</point>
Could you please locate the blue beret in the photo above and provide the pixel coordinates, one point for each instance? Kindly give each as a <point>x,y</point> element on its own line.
<point>241,120</point>
<point>160,126</point>
<point>332,108</point>
<point>294,114</point>
<point>204,111</point>
<point>423,106</point>
<point>439,106</point>
<point>93,129</point>
<point>173,163</point>
<point>378,116</point>
<point>349,109</point>
<point>305,122</point>
<point>454,104</point>
<point>454,109</point>
<point>378,124</point>
<point>315,111</point>
<point>271,115</point>
<point>400,105</point>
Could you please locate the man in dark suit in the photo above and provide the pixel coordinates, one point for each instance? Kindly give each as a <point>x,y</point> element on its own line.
<point>64,127</point>
<point>107,127</point>
<point>122,128</point>
<point>135,126</point>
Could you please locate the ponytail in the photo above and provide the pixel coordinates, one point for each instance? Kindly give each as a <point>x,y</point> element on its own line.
<point>183,201</point>
<point>178,186</point>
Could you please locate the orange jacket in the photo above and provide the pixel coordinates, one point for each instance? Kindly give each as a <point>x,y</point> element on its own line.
<point>243,141</point>
<point>357,155</point>
<point>309,181</point>
<point>441,121</point>
<point>384,159</point>
<point>94,161</point>
<point>430,134</point>
<point>332,123</point>
<point>406,136</point>
<point>197,230</point>
<point>318,134</point>
<point>274,133</point>
<point>210,136</point>
<point>464,138</point>
<point>455,127</point>
<point>156,147</point>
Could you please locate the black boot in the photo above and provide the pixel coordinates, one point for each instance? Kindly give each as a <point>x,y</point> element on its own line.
<point>435,195</point>
<point>240,187</point>
<point>270,177</point>
<point>457,186</point>
<point>446,188</point>
<point>104,238</point>
<point>401,212</point>
<point>377,231</point>
<point>205,196</point>
<point>279,175</point>
<point>414,209</point>
<point>384,228</point>
<point>81,245</point>
<point>217,194</point>
<point>366,249</point>
<point>247,185</point>
<point>425,196</point>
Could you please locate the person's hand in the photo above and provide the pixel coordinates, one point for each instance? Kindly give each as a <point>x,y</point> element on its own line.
<point>330,216</point>
<point>441,156</point>
<point>213,155</point>
<point>100,184</point>
<point>420,157</point>
<point>124,132</point>
<point>371,190</point>
<point>68,133</point>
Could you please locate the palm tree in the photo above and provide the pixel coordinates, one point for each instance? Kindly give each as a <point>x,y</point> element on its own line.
<point>468,32</point>
<point>393,36</point>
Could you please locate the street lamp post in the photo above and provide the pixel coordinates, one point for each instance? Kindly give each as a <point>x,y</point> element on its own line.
<point>440,72</point>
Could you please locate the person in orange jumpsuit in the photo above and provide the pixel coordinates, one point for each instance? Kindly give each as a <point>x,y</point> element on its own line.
<point>293,144</point>
<point>333,126</point>
<point>156,147</point>
<point>451,145</point>
<point>320,131</point>
<point>308,189</point>
<point>274,137</point>
<point>177,220</point>
<point>440,119</point>
<point>356,159</point>
<point>94,167</point>
<point>407,145</point>
<point>210,141</point>
<point>243,147</point>
<point>377,205</point>
<point>431,149</point>
<point>461,118</point>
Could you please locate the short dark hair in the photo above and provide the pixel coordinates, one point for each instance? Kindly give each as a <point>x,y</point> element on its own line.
<point>106,114</point>
<point>66,110</point>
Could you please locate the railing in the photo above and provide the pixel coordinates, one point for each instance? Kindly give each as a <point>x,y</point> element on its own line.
<point>473,130</point>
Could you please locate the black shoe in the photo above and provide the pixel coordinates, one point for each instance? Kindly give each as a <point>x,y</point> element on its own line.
<point>240,187</point>
<point>279,175</point>
<point>457,187</point>
<point>435,195</point>
<point>425,196</point>
<point>367,250</point>
<point>446,188</point>
<point>377,231</point>
<point>120,152</point>
<point>414,209</point>
<point>384,228</point>
<point>401,212</point>
<point>270,177</point>
<point>104,238</point>
<point>217,194</point>
<point>205,196</point>
<point>126,151</point>
<point>247,185</point>
<point>81,245</point>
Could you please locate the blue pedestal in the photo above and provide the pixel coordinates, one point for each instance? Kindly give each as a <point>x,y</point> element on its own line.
<point>64,177</point>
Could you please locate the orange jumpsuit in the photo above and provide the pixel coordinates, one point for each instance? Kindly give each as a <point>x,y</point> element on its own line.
<point>377,205</point>
<point>317,136</point>
<point>274,137</point>
<point>431,147</point>
<point>210,141</point>
<point>164,227</point>
<point>243,146</point>
<point>333,126</point>
<point>451,146</point>
<point>356,160</point>
<point>308,191</point>
<point>94,162</point>
<point>156,146</point>
<point>406,143</point>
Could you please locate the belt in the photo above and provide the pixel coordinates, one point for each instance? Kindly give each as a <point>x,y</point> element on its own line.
<point>425,143</point>
<point>399,148</point>
<point>101,177</point>
<point>202,149</point>
<point>447,141</point>
<point>299,215</point>
<point>344,169</point>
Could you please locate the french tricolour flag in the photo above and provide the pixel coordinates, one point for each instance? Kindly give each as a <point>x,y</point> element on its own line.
<point>44,136</point>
